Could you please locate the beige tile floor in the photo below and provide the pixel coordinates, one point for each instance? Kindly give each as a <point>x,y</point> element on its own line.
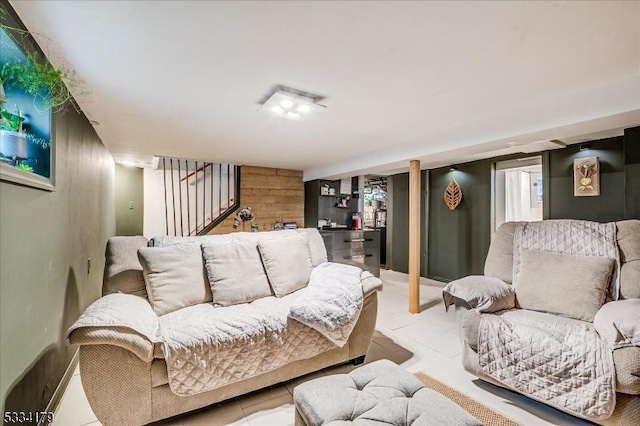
<point>426,342</point>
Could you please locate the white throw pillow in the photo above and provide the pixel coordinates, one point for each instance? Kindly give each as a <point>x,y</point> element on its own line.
<point>235,272</point>
<point>287,262</point>
<point>317,248</point>
<point>174,277</point>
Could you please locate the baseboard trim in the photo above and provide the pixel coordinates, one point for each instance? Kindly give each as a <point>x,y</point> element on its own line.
<point>52,406</point>
<point>437,278</point>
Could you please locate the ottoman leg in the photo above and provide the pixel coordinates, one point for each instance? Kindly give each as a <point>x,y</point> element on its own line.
<point>357,361</point>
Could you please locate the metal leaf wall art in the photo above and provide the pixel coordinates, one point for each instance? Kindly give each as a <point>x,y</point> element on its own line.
<point>453,195</point>
<point>586,177</point>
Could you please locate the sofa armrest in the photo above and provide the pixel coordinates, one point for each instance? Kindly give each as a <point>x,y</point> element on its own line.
<point>117,336</point>
<point>481,293</point>
<point>618,322</point>
<point>119,319</point>
<point>370,283</point>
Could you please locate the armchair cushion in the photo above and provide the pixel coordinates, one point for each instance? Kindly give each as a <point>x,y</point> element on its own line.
<point>629,245</point>
<point>483,294</point>
<point>567,285</point>
<point>619,323</point>
<point>499,261</point>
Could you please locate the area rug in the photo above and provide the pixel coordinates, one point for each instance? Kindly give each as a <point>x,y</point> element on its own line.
<point>486,415</point>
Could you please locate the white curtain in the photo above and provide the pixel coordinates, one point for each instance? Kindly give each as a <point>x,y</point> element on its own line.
<point>518,197</point>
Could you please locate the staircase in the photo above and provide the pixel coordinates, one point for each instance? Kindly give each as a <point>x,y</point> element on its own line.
<point>198,195</point>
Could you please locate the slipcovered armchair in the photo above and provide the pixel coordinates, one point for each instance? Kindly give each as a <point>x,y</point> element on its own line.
<point>534,293</point>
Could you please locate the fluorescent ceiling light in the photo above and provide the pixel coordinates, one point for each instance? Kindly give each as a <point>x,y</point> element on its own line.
<point>290,103</point>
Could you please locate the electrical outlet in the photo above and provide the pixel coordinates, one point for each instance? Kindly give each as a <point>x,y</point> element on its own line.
<point>130,205</point>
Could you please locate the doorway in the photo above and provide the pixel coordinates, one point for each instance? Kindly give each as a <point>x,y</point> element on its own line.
<point>518,191</point>
<point>375,210</point>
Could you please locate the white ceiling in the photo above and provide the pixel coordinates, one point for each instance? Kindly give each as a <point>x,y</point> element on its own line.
<point>443,82</point>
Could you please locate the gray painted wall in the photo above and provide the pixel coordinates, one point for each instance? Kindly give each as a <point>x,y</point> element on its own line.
<point>129,200</point>
<point>45,284</point>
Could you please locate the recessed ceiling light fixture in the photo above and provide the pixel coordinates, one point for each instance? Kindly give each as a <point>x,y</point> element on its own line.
<point>290,103</point>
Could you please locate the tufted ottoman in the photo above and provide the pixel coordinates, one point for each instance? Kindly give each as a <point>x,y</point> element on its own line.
<point>379,393</point>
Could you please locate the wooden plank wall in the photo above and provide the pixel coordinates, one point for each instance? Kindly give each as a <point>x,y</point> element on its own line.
<point>270,193</point>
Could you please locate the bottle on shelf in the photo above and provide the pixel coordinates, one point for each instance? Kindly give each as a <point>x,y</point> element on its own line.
<point>355,221</point>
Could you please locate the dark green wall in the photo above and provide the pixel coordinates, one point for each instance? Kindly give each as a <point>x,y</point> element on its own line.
<point>311,203</point>
<point>632,173</point>
<point>318,206</point>
<point>399,185</point>
<point>607,207</point>
<point>459,239</point>
<point>399,260</point>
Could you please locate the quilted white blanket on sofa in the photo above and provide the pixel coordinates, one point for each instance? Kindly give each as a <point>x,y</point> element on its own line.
<point>559,361</point>
<point>207,347</point>
<point>332,301</point>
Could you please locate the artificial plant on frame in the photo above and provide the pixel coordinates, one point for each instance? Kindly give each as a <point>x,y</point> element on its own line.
<point>36,76</point>
<point>49,85</point>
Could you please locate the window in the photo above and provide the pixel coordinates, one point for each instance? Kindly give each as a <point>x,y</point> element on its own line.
<point>518,191</point>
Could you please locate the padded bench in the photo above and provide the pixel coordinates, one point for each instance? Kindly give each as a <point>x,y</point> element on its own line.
<point>378,393</point>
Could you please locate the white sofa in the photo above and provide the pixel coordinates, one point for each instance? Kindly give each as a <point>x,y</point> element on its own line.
<point>479,299</point>
<point>124,368</point>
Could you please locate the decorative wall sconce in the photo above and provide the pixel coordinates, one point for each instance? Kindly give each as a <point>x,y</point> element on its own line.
<point>453,195</point>
<point>586,177</point>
